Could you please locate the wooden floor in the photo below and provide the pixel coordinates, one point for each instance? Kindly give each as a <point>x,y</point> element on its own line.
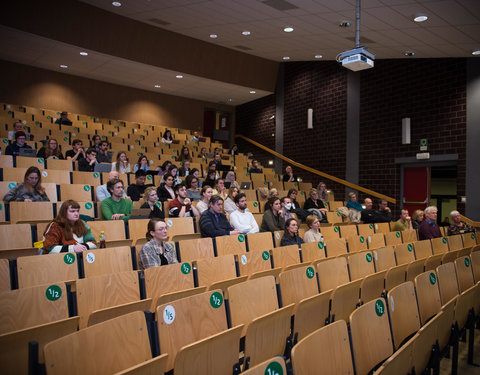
<point>463,367</point>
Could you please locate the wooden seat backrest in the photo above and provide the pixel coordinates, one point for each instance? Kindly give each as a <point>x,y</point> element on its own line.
<point>284,256</point>
<point>404,253</point>
<point>395,276</point>
<point>439,245</point>
<point>345,299</point>
<point>455,242</point>
<point>393,238</point>
<point>231,244</point>
<point>30,211</point>
<point>15,236</point>
<point>197,248</point>
<point>332,273</point>
<point>312,251</point>
<point>104,261</point>
<point>260,241</point>
<point>384,258</point>
<point>463,267</point>
<point>114,229</point>
<point>372,286</point>
<point>428,295</point>
<point>447,282</point>
<point>297,284</point>
<point>211,270</point>
<point>360,264</point>
<point>254,261</point>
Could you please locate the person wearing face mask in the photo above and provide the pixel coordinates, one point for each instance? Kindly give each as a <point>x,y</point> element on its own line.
<point>286,208</point>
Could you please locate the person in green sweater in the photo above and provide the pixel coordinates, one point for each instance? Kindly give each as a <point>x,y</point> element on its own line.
<point>116,207</point>
<point>404,223</point>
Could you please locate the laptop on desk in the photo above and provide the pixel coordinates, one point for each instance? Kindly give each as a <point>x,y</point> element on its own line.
<point>30,152</point>
<point>103,167</point>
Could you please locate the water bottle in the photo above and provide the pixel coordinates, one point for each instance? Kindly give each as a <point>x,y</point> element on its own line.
<point>102,240</point>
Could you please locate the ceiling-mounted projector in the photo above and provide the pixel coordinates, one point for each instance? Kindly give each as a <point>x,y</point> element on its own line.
<point>357,59</point>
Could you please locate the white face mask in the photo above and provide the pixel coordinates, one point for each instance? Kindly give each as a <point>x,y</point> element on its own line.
<point>288,206</point>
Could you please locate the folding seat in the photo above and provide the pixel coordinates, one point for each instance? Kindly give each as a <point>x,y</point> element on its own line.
<point>197,248</point>
<point>375,241</point>
<point>360,265</point>
<point>393,238</point>
<point>464,273</point>
<point>284,256</point>
<point>104,261</point>
<point>382,228</point>
<point>455,242</point>
<point>297,284</point>
<point>260,241</point>
<point>384,258</point>
<point>415,268</point>
<point>439,245</point>
<point>356,244</point>
<point>372,286</point>
<point>335,247</point>
<point>423,249</point>
<point>331,232</point>
<point>231,245</point>
<point>345,299</point>
<point>312,251</point>
<point>86,178</point>
<point>428,295</point>
<point>447,282</point>
<point>256,261</point>
<point>213,270</point>
<point>31,212</point>
<point>332,273</point>
<point>409,235</point>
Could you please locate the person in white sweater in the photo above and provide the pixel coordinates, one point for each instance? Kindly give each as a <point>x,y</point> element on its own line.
<point>242,219</point>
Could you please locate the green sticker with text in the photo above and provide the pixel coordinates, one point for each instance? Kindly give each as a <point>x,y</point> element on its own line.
<point>467,262</point>
<point>149,177</point>
<point>88,206</point>
<point>472,236</point>
<point>40,161</point>
<point>186,268</point>
<point>310,272</point>
<point>444,240</point>
<point>65,139</point>
<point>379,307</point>
<point>409,247</point>
<point>11,185</point>
<point>69,258</point>
<point>274,368</point>
<point>433,278</point>
<point>371,226</point>
<point>216,300</point>
<point>53,292</point>
<point>241,238</point>
<point>255,204</point>
<point>369,257</point>
<point>320,245</point>
<point>325,204</point>
<point>339,214</point>
<point>265,255</point>
<point>397,234</point>
<point>158,204</point>
<point>86,188</point>
<point>335,229</point>
<point>96,175</point>
<point>362,239</point>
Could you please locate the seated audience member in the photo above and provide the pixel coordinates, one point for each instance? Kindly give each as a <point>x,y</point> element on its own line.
<point>290,235</point>
<point>315,205</point>
<point>219,189</point>
<point>206,193</point>
<point>163,169</point>
<point>50,151</point>
<point>151,201</point>
<point>193,191</point>
<point>67,232</point>
<point>165,191</point>
<point>289,176</point>
<point>445,222</point>
<point>121,165</point>
<point>173,171</point>
<point>242,219</point>
<point>384,212</point>
<point>63,120</point>
<point>368,215</point>
<point>88,164</point>
<point>255,168</point>
<point>429,228</point>
<point>103,155</point>
<point>167,137</point>
<point>211,179</point>
<point>213,222</point>
<point>136,190</point>
<point>203,153</point>
<point>300,212</point>
<point>312,235</point>
<point>234,150</point>
<point>229,206</point>
<point>142,164</point>
<point>458,226</point>
<point>195,137</point>
<point>18,127</point>
<point>116,207</point>
<point>230,179</point>
<point>322,191</point>
<point>77,152</point>
<point>212,167</point>
<point>287,208</point>
<point>217,159</point>
<point>181,206</point>
<point>102,192</point>
<point>196,173</point>
<point>30,191</point>
<point>185,170</point>
<point>96,140</point>
<point>404,223</point>
<point>15,147</point>
<point>265,194</point>
<point>354,208</point>
<point>184,155</point>
<point>417,218</point>
<point>157,251</point>
<point>272,218</point>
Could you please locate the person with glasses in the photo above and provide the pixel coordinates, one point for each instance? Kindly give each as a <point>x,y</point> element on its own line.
<point>50,151</point>
<point>157,251</point>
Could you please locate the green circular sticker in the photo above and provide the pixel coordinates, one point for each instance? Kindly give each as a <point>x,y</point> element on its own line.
<point>65,132</point>
<point>86,188</point>
<point>40,160</point>
<point>49,117</point>
<point>69,258</point>
<point>444,240</point>
<point>37,122</point>
<point>88,206</point>
<point>325,204</point>
<point>338,214</point>
<point>149,177</point>
<point>5,140</point>
<point>173,157</point>
<point>245,168</point>
<point>369,257</point>
<point>241,238</point>
<point>255,204</point>
<point>335,229</point>
<point>310,272</point>
<point>371,226</point>
<point>433,278</point>
<point>95,175</point>
<point>397,234</point>
<point>467,262</point>
<point>103,137</point>
<point>409,247</point>
<point>265,183</point>
<point>53,292</point>
<point>11,185</point>
<point>274,368</point>
<point>265,255</point>
<point>65,139</point>
<point>472,236</point>
<point>379,307</point>
<point>139,153</point>
<point>137,141</point>
<point>320,245</point>
<point>143,147</point>
<point>216,300</point>
<point>158,204</point>
<point>1,206</point>
<point>25,127</point>
<point>362,239</point>
<point>186,268</point>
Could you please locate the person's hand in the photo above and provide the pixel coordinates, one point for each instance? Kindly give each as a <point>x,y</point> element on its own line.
<point>281,213</point>
<point>388,209</point>
<point>235,232</point>
<point>27,200</point>
<point>408,218</point>
<point>117,216</point>
<point>79,248</point>
<point>93,161</point>
<point>187,201</point>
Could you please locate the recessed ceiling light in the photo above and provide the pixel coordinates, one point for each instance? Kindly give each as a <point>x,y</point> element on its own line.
<point>83,53</point>
<point>230,100</point>
<point>179,76</point>
<point>253,92</point>
<point>64,66</point>
<point>213,36</point>
<point>476,53</point>
<point>157,86</point>
<point>409,53</point>
<point>246,32</point>
<point>420,18</point>
<point>117,4</point>
<point>288,29</point>
<point>318,56</point>
<point>286,57</point>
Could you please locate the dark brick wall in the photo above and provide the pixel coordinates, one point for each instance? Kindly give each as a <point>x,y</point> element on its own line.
<point>432,92</point>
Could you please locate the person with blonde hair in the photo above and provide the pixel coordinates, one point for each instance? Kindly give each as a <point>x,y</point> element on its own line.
<point>313,234</point>
<point>121,165</point>
<point>229,205</point>
<point>151,201</point>
<point>417,218</point>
